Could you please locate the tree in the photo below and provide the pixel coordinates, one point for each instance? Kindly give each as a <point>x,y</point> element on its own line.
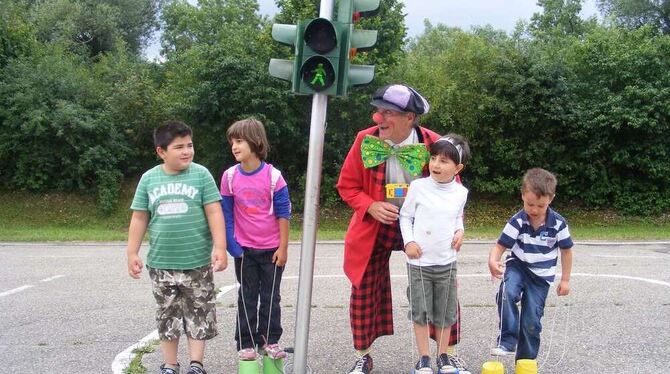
<point>96,25</point>
<point>636,13</point>
<point>558,16</point>
<point>17,35</point>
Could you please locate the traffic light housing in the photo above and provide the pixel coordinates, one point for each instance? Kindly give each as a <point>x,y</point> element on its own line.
<point>348,13</point>
<point>316,66</point>
<point>320,42</point>
<point>281,68</point>
<point>322,51</point>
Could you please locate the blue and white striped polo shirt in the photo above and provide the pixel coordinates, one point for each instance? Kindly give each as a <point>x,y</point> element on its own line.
<point>538,249</point>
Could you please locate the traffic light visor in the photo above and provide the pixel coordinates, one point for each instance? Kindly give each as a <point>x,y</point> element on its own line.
<point>320,36</point>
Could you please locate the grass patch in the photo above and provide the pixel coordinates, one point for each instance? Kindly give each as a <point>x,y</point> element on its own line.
<point>56,216</point>
<point>135,366</point>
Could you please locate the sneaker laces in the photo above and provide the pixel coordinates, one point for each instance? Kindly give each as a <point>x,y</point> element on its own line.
<point>460,364</point>
<point>360,363</point>
<point>196,370</point>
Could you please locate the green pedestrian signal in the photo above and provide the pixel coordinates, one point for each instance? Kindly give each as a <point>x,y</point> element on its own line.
<point>319,46</point>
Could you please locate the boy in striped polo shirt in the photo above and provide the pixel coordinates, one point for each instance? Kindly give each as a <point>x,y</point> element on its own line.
<point>534,235</point>
<point>178,202</point>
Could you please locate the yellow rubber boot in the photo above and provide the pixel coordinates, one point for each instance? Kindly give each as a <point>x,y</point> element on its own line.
<point>493,367</point>
<point>526,367</point>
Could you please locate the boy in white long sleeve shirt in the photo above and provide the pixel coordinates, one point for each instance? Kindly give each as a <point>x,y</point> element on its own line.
<point>430,216</point>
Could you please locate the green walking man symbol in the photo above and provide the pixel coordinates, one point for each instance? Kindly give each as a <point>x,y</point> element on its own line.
<point>319,74</point>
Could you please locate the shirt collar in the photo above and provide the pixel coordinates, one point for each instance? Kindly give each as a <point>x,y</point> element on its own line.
<point>410,139</point>
<point>549,221</point>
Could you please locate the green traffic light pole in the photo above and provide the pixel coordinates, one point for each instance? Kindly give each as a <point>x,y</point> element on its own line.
<point>310,219</point>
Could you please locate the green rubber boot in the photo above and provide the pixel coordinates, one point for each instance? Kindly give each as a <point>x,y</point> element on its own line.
<point>249,367</point>
<point>272,366</point>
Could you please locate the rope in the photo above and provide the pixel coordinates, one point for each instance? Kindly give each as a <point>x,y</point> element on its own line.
<point>438,337</point>
<point>502,306</point>
<point>244,305</point>
<point>272,296</point>
<point>446,307</point>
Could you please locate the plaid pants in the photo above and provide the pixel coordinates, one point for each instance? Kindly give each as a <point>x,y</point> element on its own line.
<point>371,306</point>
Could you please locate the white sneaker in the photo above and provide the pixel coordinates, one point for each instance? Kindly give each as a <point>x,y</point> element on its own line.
<point>501,351</point>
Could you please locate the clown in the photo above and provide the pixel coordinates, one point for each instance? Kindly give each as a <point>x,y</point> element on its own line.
<point>383,158</point>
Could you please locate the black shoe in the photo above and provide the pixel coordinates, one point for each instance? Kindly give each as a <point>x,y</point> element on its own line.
<point>164,370</point>
<point>423,366</point>
<point>194,369</point>
<point>448,364</point>
<point>445,365</point>
<point>362,365</point>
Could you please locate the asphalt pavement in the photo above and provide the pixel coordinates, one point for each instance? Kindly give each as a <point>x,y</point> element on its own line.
<point>71,307</point>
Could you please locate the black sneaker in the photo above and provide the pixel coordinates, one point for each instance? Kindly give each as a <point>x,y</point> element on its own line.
<point>423,366</point>
<point>444,364</point>
<point>164,370</point>
<point>449,364</point>
<point>362,365</point>
<point>194,369</point>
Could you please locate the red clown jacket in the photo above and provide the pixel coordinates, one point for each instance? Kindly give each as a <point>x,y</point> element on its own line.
<point>359,190</point>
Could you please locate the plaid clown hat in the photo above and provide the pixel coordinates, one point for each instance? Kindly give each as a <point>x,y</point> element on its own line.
<point>401,98</point>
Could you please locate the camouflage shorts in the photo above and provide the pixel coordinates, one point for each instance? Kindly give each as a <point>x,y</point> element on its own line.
<point>185,299</point>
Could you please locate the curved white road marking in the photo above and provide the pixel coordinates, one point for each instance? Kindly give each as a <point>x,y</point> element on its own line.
<point>15,290</point>
<point>123,359</point>
<point>652,281</point>
<point>52,278</point>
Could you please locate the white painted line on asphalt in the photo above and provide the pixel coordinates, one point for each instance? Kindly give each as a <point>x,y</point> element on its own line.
<point>15,290</point>
<point>619,276</point>
<point>52,278</point>
<point>331,276</point>
<point>652,281</point>
<point>123,359</point>
<point>629,256</point>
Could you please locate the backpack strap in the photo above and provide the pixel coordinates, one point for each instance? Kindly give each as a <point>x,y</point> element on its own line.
<point>229,174</point>
<point>274,177</point>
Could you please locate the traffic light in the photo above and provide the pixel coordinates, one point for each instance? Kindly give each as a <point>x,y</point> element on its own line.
<point>317,55</point>
<point>323,49</point>
<point>320,42</point>
<point>348,13</point>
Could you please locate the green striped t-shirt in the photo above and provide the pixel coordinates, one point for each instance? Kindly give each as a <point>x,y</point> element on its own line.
<point>179,236</point>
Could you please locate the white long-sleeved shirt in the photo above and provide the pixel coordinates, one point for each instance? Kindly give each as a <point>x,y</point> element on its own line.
<point>430,215</point>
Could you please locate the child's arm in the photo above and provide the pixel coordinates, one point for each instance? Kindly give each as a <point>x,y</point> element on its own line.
<point>406,223</point>
<point>457,242</point>
<point>136,231</point>
<point>282,209</point>
<point>217,228</point>
<point>234,247</point>
<point>496,267</point>
<point>281,254</point>
<point>566,268</point>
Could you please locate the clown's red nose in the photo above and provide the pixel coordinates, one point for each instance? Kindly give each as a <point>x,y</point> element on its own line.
<point>378,118</point>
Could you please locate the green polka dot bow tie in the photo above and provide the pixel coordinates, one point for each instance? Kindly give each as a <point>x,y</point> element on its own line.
<point>412,157</point>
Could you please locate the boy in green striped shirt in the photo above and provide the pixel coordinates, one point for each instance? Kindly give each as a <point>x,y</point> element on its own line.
<point>178,202</point>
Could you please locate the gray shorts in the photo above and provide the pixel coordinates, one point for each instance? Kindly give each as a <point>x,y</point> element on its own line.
<point>432,294</point>
<point>185,298</point>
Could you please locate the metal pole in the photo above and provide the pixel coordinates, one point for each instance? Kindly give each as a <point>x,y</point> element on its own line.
<point>310,219</point>
<point>312,185</point>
